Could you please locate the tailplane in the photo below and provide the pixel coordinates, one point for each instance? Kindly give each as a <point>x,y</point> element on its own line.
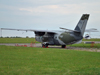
<point>82,24</point>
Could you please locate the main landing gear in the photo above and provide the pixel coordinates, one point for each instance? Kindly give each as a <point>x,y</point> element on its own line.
<point>63,46</point>
<point>45,45</point>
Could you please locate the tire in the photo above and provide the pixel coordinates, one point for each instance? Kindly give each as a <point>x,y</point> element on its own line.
<point>44,45</point>
<point>63,46</point>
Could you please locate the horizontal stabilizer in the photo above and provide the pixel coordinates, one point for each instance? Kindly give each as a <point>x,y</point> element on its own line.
<point>69,30</point>
<point>91,30</point>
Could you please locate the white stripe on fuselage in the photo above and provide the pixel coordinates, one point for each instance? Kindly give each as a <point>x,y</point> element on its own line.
<point>57,37</point>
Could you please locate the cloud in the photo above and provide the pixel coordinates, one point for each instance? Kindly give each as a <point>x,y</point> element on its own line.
<point>63,9</point>
<point>54,2</point>
<point>54,9</point>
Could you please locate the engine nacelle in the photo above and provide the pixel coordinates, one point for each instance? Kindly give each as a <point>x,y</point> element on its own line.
<point>39,33</point>
<point>44,37</point>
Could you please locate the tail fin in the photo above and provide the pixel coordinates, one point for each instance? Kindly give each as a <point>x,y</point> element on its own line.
<point>82,23</point>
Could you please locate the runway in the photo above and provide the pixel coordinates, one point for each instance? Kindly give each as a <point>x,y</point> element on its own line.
<point>36,44</point>
<point>50,46</point>
<point>28,45</point>
<point>22,44</point>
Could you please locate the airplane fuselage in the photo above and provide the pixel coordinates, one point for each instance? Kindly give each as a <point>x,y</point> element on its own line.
<point>62,38</point>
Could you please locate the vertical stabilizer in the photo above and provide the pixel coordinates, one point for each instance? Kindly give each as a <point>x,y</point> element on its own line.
<point>82,23</point>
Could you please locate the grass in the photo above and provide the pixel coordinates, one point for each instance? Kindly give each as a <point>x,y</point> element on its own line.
<point>92,39</point>
<point>85,45</point>
<point>47,61</point>
<point>17,40</point>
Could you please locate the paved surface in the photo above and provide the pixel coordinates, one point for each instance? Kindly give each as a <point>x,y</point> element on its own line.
<point>27,44</point>
<point>92,41</point>
<point>34,45</point>
<point>21,44</point>
<point>59,47</point>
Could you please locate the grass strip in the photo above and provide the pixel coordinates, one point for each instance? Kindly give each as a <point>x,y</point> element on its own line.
<point>47,61</point>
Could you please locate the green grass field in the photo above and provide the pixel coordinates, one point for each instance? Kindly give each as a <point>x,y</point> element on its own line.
<point>17,40</point>
<point>47,61</point>
<point>92,39</point>
<point>85,45</point>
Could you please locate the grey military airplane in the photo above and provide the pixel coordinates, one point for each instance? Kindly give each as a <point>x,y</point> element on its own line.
<point>63,37</point>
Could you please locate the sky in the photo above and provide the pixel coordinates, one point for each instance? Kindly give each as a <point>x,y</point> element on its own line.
<point>47,15</point>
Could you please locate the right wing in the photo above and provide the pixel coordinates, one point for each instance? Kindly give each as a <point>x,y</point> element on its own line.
<point>48,31</point>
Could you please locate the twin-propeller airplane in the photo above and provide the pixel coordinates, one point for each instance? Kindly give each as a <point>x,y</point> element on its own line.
<point>63,38</point>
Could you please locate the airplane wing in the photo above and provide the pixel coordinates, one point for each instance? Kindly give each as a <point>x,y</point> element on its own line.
<point>48,31</point>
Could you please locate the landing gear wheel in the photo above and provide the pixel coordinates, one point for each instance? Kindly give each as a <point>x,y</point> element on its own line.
<point>63,46</point>
<point>45,45</point>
